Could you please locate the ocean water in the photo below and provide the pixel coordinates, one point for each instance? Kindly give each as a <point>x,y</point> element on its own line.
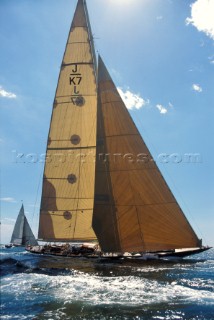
<point>36,287</point>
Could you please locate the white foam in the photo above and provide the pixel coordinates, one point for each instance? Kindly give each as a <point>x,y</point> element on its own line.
<point>144,285</point>
<point>93,289</point>
<point>124,290</point>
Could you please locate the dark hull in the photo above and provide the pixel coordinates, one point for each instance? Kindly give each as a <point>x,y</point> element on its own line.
<point>182,253</point>
<point>8,246</point>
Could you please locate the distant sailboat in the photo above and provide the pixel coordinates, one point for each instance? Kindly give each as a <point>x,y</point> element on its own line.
<point>120,201</point>
<point>22,234</point>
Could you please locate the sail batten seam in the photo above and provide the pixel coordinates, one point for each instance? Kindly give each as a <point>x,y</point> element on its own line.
<point>71,148</point>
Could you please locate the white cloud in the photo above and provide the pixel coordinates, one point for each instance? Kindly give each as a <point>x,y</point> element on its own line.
<point>161,108</point>
<point>196,87</point>
<point>170,105</point>
<point>211,59</point>
<point>6,94</point>
<point>132,100</point>
<point>8,199</point>
<point>159,17</point>
<point>202,16</point>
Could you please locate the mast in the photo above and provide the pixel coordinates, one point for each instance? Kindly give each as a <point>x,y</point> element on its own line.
<point>68,193</point>
<point>134,209</point>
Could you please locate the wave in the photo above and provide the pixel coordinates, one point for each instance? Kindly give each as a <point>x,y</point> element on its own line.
<point>58,288</point>
<point>73,285</point>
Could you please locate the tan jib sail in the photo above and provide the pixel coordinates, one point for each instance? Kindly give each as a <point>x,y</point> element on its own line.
<point>68,192</point>
<point>134,209</point>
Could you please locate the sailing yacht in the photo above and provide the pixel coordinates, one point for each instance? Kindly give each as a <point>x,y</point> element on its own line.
<point>22,234</point>
<point>97,186</point>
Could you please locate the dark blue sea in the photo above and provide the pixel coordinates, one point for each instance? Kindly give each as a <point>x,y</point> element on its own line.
<point>36,287</point>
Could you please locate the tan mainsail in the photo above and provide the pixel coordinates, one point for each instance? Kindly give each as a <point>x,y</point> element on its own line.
<point>134,209</point>
<point>68,183</point>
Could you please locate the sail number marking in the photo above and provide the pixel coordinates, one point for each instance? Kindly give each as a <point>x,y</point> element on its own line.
<point>75,79</point>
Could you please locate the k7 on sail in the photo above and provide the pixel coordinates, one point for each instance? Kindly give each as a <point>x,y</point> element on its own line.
<point>113,209</point>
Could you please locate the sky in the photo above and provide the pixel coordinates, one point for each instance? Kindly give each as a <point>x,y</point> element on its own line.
<point>160,54</point>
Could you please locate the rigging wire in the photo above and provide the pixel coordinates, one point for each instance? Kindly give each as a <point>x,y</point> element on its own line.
<point>36,199</point>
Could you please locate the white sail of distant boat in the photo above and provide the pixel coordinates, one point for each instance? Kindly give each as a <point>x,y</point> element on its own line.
<point>22,234</point>
<point>123,204</point>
